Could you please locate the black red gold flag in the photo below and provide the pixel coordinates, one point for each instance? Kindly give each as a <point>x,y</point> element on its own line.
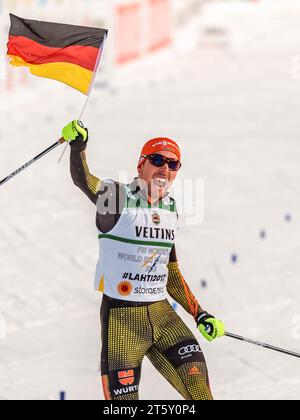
<point>67,53</point>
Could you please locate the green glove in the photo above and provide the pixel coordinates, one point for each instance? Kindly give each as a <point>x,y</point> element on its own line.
<point>75,130</point>
<point>210,327</point>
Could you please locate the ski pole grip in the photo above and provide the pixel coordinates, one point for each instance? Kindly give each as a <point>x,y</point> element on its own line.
<point>61,140</point>
<point>208,329</point>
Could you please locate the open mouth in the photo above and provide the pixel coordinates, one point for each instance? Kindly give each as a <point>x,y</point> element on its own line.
<point>160,182</point>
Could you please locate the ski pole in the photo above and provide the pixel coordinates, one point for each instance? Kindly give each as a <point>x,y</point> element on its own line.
<point>266,346</point>
<point>35,159</point>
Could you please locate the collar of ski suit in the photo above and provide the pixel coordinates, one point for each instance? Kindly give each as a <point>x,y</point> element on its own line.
<point>136,190</point>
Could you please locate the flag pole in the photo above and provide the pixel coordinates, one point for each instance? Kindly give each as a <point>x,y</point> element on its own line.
<point>89,92</point>
<point>61,140</point>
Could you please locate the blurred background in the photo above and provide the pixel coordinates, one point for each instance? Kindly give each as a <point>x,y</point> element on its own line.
<point>223,79</point>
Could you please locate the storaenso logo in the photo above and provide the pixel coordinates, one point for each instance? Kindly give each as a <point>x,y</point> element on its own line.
<point>126,390</point>
<point>194,348</point>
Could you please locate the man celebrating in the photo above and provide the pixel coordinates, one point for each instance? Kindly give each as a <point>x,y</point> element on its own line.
<point>137,266</point>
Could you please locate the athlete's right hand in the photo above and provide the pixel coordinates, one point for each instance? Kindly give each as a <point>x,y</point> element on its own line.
<point>75,130</point>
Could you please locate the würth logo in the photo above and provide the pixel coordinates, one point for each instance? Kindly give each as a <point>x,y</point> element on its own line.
<point>126,377</point>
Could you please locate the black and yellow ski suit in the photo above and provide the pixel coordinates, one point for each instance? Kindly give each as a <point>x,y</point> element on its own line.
<point>133,330</point>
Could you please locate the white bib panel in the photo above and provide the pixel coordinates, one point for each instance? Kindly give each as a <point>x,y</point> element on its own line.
<point>134,255</point>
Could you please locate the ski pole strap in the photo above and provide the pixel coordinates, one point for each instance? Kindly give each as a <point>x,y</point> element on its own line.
<point>266,346</point>
<point>35,159</point>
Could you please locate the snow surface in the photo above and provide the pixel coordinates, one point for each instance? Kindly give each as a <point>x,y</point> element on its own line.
<point>235,112</point>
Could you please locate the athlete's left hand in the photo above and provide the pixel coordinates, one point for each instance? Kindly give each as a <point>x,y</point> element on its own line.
<point>210,327</point>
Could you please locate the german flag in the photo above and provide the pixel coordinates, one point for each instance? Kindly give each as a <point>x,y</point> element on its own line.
<point>67,53</point>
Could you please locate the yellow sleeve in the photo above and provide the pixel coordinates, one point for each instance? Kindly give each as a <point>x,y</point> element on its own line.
<point>179,290</point>
<point>82,177</point>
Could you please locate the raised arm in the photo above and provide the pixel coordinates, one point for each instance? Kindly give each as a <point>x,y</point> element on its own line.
<point>81,175</point>
<point>77,136</point>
